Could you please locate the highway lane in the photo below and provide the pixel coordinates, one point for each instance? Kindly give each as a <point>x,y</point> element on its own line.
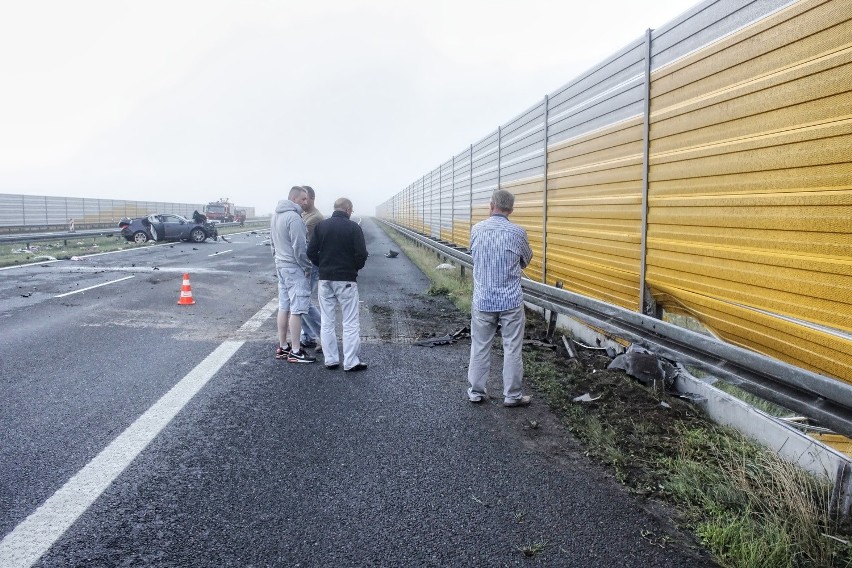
<point>77,370</point>
<point>274,464</point>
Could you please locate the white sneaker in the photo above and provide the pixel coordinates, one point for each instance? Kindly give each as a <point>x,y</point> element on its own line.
<point>512,402</point>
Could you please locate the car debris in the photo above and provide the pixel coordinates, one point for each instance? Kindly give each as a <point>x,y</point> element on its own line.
<point>27,295</point>
<point>447,339</point>
<point>539,344</point>
<point>445,266</point>
<point>391,253</point>
<point>586,398</point>
<point>570,347</point>
<point>646,367</point>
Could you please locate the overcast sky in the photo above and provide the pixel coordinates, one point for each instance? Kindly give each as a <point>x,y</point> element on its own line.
<point>189,101</point>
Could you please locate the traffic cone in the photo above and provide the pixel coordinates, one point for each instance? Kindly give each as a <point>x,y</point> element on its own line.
<point>185,293</point>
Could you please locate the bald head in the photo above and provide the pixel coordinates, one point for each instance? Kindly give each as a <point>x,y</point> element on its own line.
<point>344,205</point>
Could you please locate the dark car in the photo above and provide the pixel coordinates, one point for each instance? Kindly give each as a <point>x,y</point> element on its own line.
<point>166,227</point>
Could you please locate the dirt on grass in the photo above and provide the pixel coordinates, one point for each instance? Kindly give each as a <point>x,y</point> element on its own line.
<point>628,426</point>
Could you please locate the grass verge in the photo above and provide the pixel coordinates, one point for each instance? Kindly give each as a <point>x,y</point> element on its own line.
<point>746,506</point>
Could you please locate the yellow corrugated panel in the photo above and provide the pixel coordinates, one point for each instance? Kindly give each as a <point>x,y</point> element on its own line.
<point>840,443</point>
<point>818,177</point>
<point>750,197</point>
<point>796,34</point>
<point>594,208</point>
<point>817,350</point>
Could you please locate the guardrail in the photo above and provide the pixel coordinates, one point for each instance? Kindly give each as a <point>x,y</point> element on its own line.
<point>825,400</point>
<point>40,237</point>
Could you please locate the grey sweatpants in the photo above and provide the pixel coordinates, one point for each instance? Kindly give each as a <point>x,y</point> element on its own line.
<point>483,326</point>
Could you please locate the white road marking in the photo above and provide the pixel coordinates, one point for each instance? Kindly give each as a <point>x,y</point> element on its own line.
<point>221,252</point>
<point>29,264</point>
<point>95,286</point>
<point>37,533</point>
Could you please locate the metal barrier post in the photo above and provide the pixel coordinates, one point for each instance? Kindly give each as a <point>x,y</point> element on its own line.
<point>544,199</point>
<point>646,301</point>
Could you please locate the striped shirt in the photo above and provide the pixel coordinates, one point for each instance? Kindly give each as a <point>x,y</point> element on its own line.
<point>500,251</point>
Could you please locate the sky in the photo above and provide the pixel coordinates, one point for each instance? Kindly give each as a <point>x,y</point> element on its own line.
<point>189,101</point>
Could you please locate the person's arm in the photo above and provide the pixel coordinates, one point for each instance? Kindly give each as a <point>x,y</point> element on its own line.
<point>313,246</point>
<point>297,238</point>
<point>360,255</point>
<point>525,251</point>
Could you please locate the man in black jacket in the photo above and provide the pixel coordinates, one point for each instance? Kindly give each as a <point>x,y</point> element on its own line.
<point>339,250</point>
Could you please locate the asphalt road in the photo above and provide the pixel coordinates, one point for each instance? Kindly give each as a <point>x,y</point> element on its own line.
<point>222,456</point>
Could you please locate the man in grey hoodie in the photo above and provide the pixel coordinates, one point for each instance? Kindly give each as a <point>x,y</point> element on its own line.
<point>289,247</point>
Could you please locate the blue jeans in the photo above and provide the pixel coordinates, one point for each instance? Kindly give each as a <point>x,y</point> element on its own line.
<point>311,320</point>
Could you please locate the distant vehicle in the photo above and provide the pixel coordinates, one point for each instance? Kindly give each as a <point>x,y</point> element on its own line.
<point>168,227</point>
<point>222,210</point>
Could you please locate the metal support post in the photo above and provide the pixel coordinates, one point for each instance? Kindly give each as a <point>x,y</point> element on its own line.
<point>499,156</point>
<point>544,199</point>
<point>645,298</point>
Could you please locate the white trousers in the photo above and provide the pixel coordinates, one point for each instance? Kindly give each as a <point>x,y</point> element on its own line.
<point>331,293</point>
<point>483,326</point>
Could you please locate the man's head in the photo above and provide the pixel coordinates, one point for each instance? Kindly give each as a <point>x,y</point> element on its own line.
<point>298,195</point>
<point>309,206</point>
<point>344,205</point>
<point>502,202</point>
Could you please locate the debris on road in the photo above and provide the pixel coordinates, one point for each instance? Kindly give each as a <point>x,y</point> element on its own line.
<point>586,398</point>
<point>44,257</point>
<point>539,344</point>
<point>447,339</point>
<point>646,367</point>
<point>445,266</point>
<point>27,295</point>
<point>391,253</point>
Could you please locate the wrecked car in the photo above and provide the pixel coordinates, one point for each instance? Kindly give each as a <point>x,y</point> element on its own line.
<point>166,227</point>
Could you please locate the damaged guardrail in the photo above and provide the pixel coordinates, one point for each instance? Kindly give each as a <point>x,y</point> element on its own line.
<point>825,400</point>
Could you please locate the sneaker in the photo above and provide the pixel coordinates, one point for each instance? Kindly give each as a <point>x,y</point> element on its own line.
<point>512,402</point>
<point>333,366</point>
<point>283,352</point>
<point>475,398</point>
<point>318,349</point>
<point>311,344</point>
<point>356,368</point>
<point>301,356</point>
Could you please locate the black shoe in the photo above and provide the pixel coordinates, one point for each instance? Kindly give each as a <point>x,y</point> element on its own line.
<point>332,367</point>
<point>283,352</point>
<point>308,344</point>
<point>301,356</point>
<point>356,368</point>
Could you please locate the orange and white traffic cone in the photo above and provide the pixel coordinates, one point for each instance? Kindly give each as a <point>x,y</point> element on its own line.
<point>185,293</point>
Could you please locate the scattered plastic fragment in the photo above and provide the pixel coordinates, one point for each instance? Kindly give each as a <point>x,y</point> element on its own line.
<point>586,398</point>
<point>391,253</point>
<point>445,266</point>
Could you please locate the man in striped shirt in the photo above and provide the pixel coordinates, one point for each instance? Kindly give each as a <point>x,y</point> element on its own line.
<point>500,251</point>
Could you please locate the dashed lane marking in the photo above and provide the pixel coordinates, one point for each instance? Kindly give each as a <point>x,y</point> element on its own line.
<point>37,533</point>
<point>95,286</point>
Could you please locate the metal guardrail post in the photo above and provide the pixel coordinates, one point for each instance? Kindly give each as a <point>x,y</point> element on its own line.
<point>645,299</point>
